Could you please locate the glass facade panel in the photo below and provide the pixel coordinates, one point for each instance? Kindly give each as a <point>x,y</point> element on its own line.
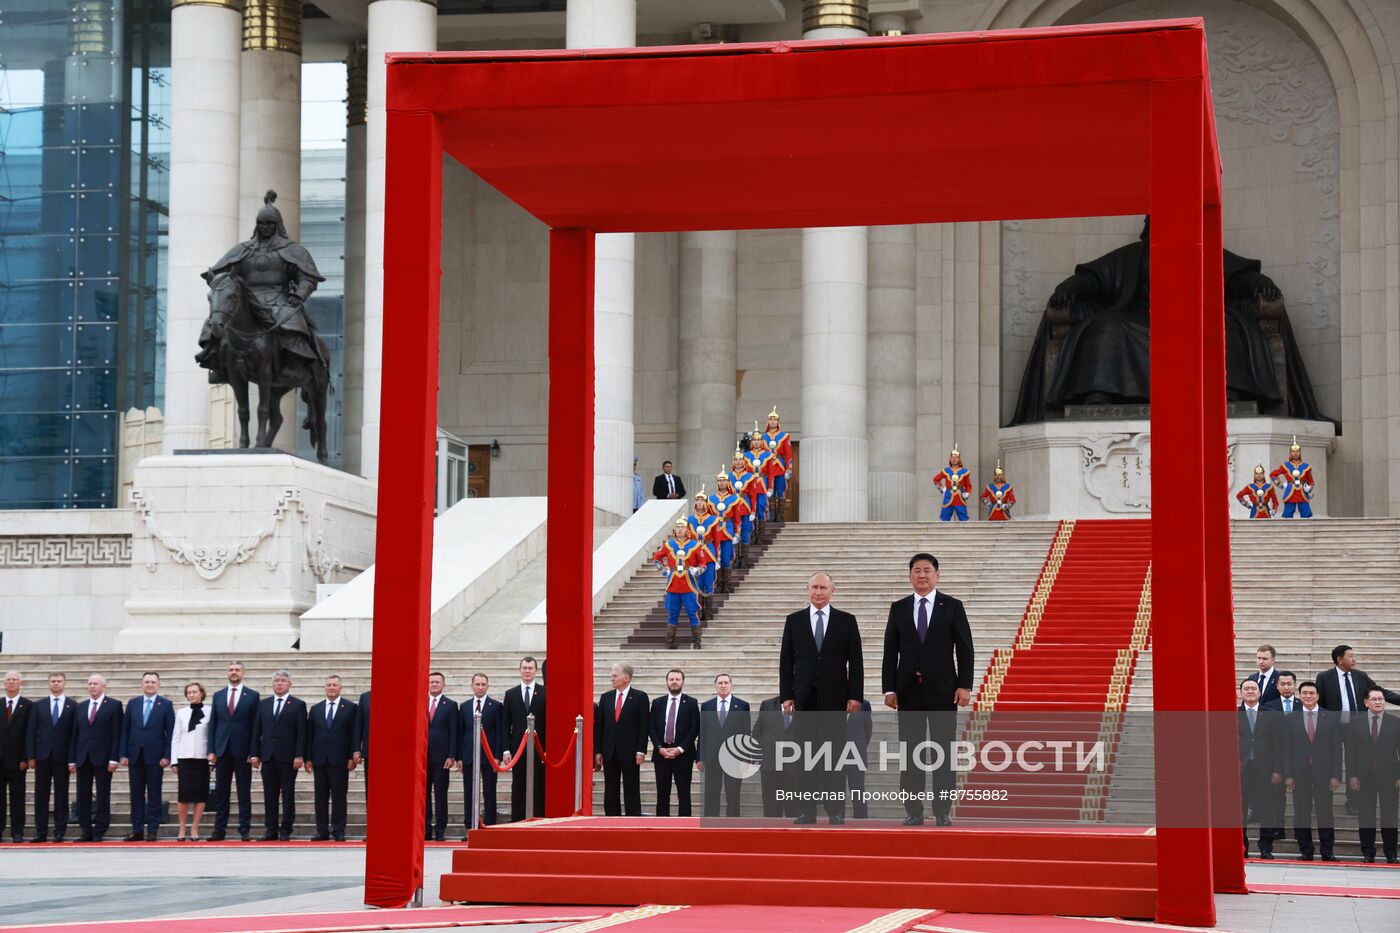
<point>84,144</point>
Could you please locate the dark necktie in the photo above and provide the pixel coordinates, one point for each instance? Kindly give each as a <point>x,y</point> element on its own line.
<point>1312,726</point>
<point>821,629</point>
<point>923,619</point>
<point>1351,694</point>
<point>9,710</point>
<point>478,707</point>
<point>330,714</point>
<point>92,711</point>
<point>1375,728</point>
<point>671,723</point>
<point>232,701</point>
<point>277,713</point>
<point>56,712</point>
<point>723,710</point>
<point>527,700</point>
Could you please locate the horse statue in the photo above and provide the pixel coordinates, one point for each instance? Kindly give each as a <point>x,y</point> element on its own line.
<point>258,331</point>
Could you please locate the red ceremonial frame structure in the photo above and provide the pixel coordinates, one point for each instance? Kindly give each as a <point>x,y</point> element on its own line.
<point>979,126</point>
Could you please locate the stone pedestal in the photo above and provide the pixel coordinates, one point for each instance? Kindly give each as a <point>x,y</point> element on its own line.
<point>1102,469</point>
<point>227,549</point>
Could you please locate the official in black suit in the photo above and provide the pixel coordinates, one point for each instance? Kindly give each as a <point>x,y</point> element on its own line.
<point>46,740</point>
<point>521,701</point>
<point>859,727</point>
<point>332,731</point>
<point>722,716</point>
<point>772,725</point>
<point>279,750</point>
<point>1342,688</point>
<point>362,722</point>
<point>1375,775</point>
<point>667,485</point>
<point>14,759</point>
<point>820,673</point>
<point>1261,765</point>
<point>926,674</point>
<point>674,728</point>
<point>93,754</point>
<point>620,743</point>
<point>1284,704</point>
<point>1267,675</point>
<point>443,718</point>
<point>231,716</point>
<point>1312,770</point>
<point>493,729</point>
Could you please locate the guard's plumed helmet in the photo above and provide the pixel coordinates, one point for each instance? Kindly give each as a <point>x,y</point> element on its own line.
<point>1295,446</point>
<point>999,470</point>
<point>1258,468</point>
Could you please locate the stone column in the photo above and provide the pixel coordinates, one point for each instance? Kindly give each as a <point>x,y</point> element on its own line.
<point>394,26</point>
<point>353,383</point>
<point>205,47</point>
<point>834,462</point>
<point>890,357</point>
<point>610,24</point>
<point>270,138</point>
<point>709,332</point>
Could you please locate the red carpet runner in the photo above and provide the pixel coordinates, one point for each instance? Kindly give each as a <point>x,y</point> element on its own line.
<point>1068,673</point>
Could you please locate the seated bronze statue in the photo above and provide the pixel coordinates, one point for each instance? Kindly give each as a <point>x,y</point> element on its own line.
<point>1092,345</point>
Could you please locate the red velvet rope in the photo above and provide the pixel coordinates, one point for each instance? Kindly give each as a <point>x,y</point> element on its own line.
<point>519,752</point>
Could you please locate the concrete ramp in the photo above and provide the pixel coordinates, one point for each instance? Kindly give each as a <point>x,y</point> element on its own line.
<point>478,546</point>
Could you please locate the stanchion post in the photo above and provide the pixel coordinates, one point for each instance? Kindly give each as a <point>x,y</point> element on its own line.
<point>476,770</point>
<point>530,766</point>
<point>578,764</point>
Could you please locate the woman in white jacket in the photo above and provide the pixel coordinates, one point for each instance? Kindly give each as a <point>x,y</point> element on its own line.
<point>189,748</point>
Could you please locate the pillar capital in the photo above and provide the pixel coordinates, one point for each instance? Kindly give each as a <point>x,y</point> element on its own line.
<point>272,26</point>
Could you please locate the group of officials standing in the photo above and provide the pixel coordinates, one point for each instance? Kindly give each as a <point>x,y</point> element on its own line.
<point>926,674</point>
<point>1312,739</point>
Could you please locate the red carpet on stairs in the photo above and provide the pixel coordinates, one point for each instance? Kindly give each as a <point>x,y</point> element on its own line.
<point>1066,677</point>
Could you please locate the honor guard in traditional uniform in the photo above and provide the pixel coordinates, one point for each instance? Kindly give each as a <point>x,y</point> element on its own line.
<point>741,480</point>
<point>702,526</point>
<point>780,443</point>
<point>730,508</point>
<point>1295,480</point>
<point>955,482</point>
<point>999,497</point>
<point>763,465</point>
<point>682,560</point>
<point>1259,496</point>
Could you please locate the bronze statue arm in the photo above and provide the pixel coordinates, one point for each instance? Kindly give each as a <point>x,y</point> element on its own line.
<point>1077,287</point>
<point>301,288</point>
<point>1252,285</point>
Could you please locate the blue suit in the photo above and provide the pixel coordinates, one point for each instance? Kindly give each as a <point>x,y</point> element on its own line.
<point>442,746</point>
<point>46,741</point>
<point>231,740</point>
<point>145,744</point>
<point>94,746</point>
<point>493,729</point>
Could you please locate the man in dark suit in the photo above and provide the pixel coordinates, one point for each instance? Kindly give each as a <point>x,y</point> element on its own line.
<point>722,716</point>
<point>14,759</point>
<point>46,741</point>
<point>231,716</point>
<point>773,725</point>
<point>493,729</point>
<point>279,749</point>
<point>1343,689</point>
<point>926,675</point>
<point>1285,704</point>
<point>332,732</point>
<point>522,701</point>
<point>442,756</point>
<point>667,485</point>
<point>674,728</point>
<point>820,675</point>
<point>1267,675</point>
<point>362,746</point>
<point>147,729</point>
<point>1375,775</point>
<point>92,755</point>
<point>859,727</point>
<point>620,743</point>
<point>1261,765</point>
<point>1312,770</point>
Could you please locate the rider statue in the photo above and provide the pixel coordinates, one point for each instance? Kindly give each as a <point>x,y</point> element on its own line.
<point>278,275</point>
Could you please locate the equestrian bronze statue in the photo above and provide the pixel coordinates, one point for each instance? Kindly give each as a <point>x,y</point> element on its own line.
<point>259,333</point>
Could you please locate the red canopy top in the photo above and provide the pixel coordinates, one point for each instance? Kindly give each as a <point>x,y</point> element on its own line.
<point>922,128</point>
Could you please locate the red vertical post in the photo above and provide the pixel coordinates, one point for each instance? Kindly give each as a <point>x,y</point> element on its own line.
<point>1227,848</point>
<point>569,549</point>
<point>404,539</point>
<point>1185,885</point>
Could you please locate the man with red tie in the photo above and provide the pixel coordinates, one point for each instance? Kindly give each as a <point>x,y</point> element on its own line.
<point>442,756</point>
<point>93,754</point>
<point>620,744</point>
